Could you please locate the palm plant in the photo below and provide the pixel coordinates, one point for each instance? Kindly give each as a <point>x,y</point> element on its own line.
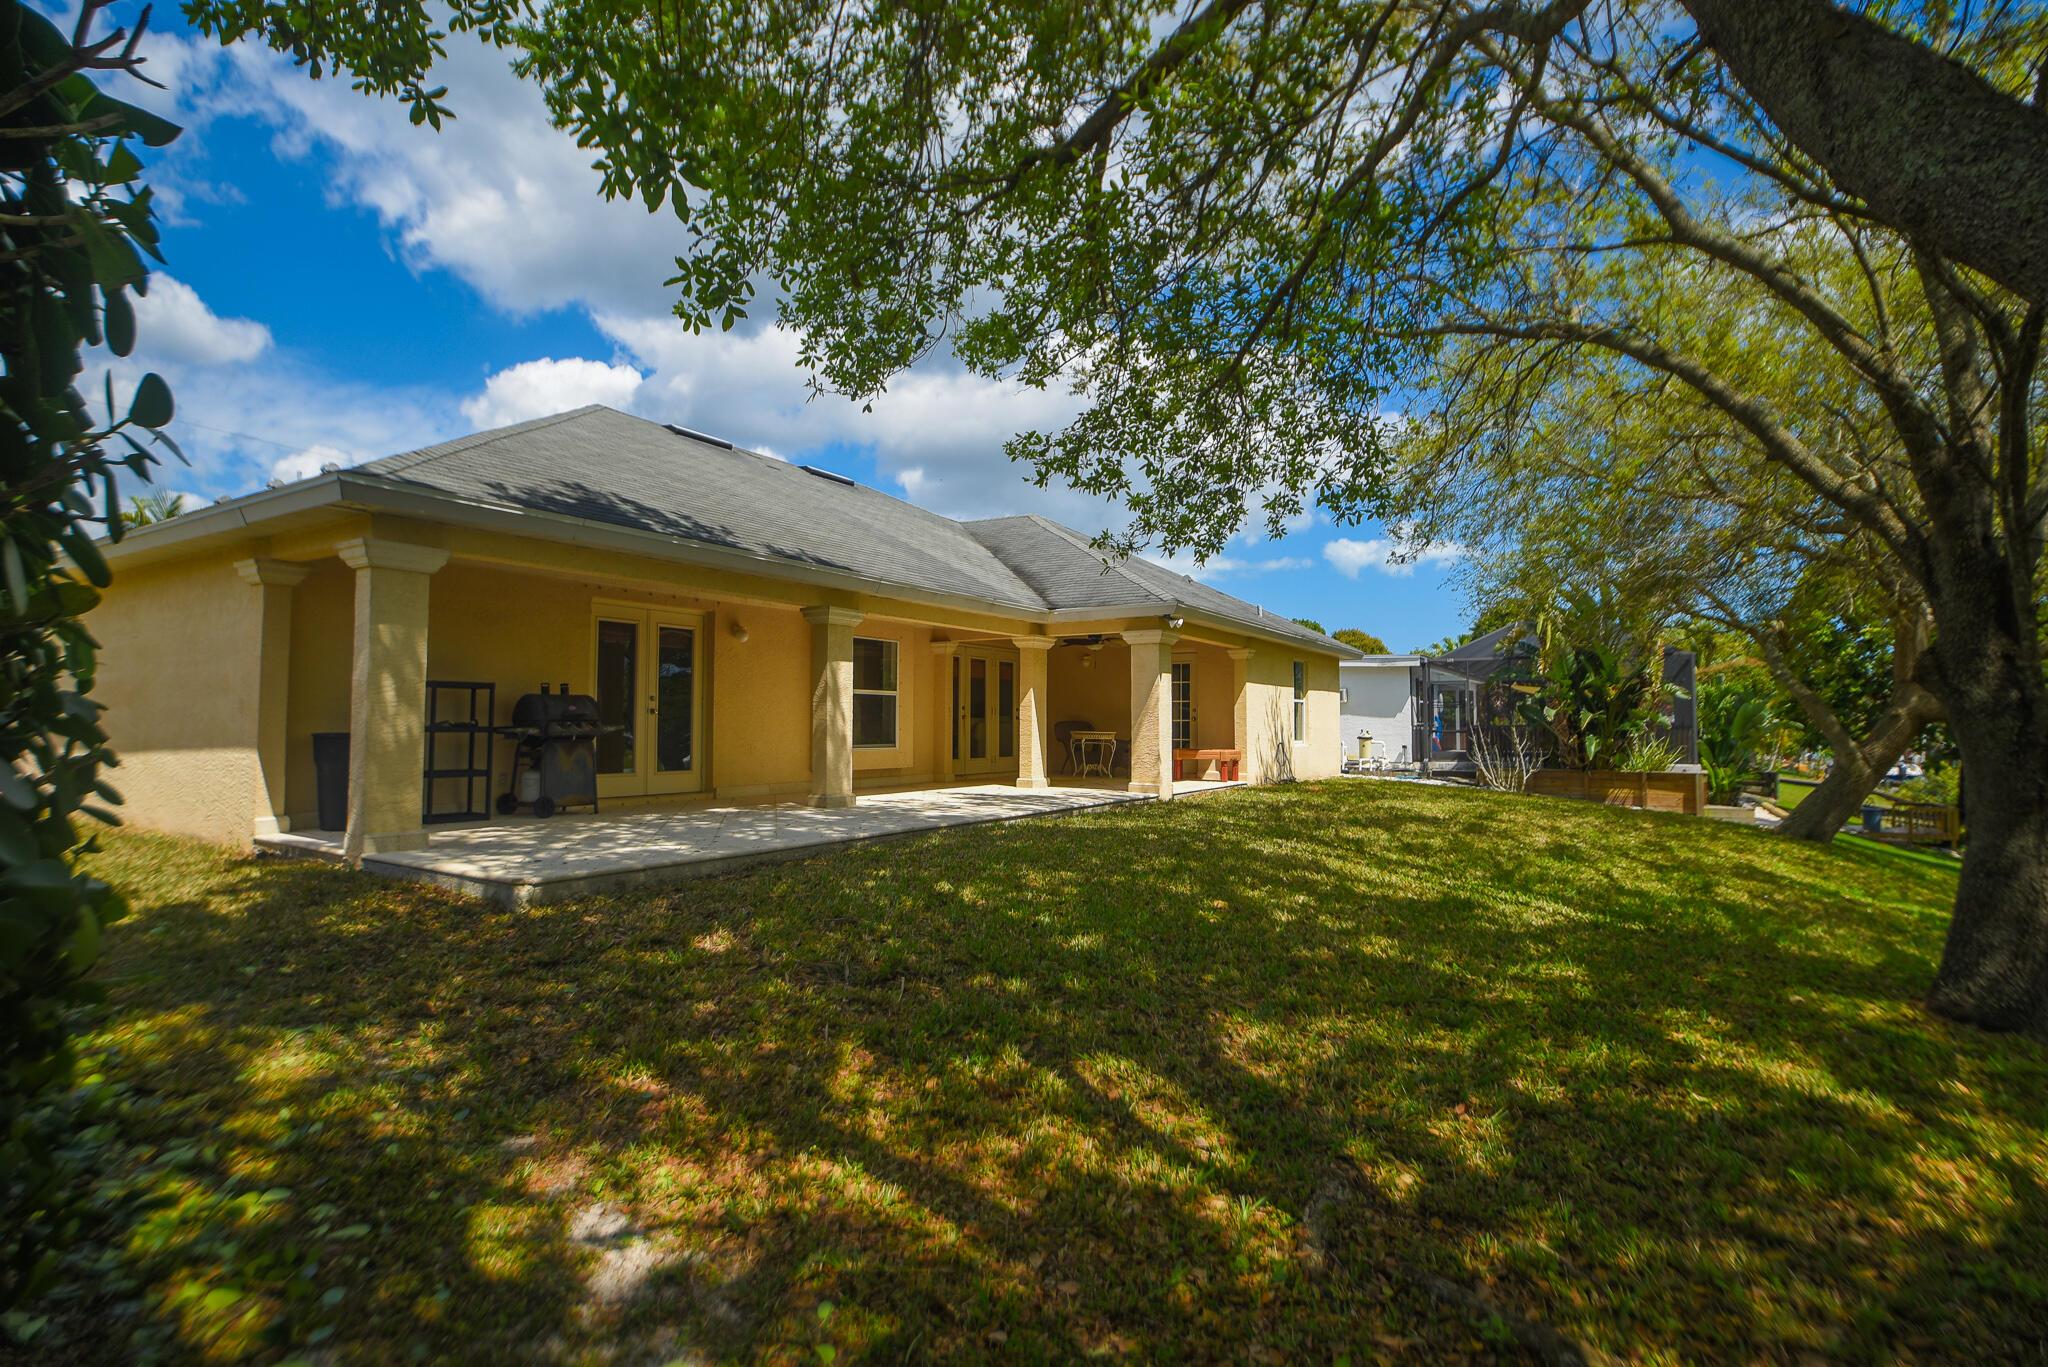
<point>158,506</point>
<point>1592,700</point>
<point>1734,719</point>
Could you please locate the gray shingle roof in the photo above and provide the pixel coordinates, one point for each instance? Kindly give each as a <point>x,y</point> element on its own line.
<point>1071,574</point>
<point>607,466</point>
<point>603,465</point>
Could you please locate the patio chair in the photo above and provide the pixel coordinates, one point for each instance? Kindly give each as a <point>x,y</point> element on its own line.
<point>1063,741</point>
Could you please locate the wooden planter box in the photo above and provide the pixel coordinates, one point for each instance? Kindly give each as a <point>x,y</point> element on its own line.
<point>1670,791</point>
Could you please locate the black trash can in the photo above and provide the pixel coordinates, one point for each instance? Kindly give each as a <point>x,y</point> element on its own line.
<point>1873,819</point>
<point>330,771</point>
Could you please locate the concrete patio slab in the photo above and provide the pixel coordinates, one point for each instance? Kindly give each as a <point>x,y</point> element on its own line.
<point>525,862</point>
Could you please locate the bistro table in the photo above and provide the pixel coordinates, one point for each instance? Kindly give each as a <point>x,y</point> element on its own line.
<point>1097,750</point>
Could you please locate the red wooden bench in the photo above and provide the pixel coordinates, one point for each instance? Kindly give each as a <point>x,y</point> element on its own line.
<point>1226,763</point>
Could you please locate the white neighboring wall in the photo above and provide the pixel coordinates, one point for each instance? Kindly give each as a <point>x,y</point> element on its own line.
<point>1378,698</point>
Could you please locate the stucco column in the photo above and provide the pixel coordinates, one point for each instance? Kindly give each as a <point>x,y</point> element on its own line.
<point>943,718</point>
<point>832,704</point>
<point>1151,712</point>
<point>1032,710</point>
<point>1241,713</point>
<point>388,694</point>
<point>274,581</point>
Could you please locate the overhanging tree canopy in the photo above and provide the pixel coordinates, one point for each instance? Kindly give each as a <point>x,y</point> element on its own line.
<point>1239,229</point>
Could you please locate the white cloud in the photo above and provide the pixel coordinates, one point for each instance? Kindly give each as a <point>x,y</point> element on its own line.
<point>937,433</point>
<point>1387,555</point>
<point>178,326</point>
<point>309,462</point>
<point>537,389</point>
<point>243,425</point>
<point>498,196</point>
<point>506,202</point>
<point>1230,566</point>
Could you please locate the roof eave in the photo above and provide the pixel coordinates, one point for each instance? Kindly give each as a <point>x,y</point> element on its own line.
<point>352,489</point>
<point>219,520</point>
<point>1164,609</point>
<point>358,491</point>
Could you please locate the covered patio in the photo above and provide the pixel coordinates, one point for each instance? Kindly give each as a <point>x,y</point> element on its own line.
<point>524,861</point>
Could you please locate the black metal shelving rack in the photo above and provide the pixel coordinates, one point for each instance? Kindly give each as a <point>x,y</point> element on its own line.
<point>475,727</point>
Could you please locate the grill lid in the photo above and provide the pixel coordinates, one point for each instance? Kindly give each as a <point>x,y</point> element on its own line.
<point>555,709</point>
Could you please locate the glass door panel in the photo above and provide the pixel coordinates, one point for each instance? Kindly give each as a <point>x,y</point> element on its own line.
<point>675,701</point>
<point>1183,705</point>
<point>618,687</point>
<point>977,707</point>
<point>1453,723</point>
<point>1006,710</point>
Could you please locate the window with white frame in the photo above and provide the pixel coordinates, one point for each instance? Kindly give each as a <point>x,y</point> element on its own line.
<point>1300,701</point>
<point>874,694</point>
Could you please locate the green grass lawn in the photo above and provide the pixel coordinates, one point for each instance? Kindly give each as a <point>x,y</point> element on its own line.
<point>1792,791</point>
<point>1350,1070</point>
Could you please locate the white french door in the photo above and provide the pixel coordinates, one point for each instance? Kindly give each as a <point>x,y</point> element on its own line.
<point>648,678</point>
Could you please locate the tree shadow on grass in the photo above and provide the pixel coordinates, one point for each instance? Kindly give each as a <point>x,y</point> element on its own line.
<point>1248,1073</point>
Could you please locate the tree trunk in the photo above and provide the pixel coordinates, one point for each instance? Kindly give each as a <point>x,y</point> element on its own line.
<point>1834,803</point>
<point>1933,148</point>
<point>1994,968</point>
<point>1858,769</point>
<point>1987,666</point>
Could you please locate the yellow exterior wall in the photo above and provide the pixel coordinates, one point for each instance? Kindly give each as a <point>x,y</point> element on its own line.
<point>323,640</point>
<point>1215,697</point>
<point>524,630</point>
<point>1275,756</point>
<point>178,677</point>
<point>1099,692</point>
<point>180,670</point>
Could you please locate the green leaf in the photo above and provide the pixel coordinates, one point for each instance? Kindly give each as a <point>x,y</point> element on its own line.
<point>220,1298</point>
<point>84,948</point>
<point>122,166</point>
<point>87,556</point>
<point>44,875</point>
<point>151,407</point>
<point>120,321</point>
<point>17,578</point>
<point>153,130</point>
<point>17,791</point>
<point>17,840</point>
<point>113,257</point>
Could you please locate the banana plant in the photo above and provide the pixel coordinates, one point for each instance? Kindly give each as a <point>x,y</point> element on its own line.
<point>1733,722</point>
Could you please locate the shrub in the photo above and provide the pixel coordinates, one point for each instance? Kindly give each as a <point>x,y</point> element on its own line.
<point>1647,753</point>
<point>1943,784</point>
<point>68,266</point>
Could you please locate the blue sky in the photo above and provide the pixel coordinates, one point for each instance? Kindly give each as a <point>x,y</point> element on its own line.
<point>341,285</point>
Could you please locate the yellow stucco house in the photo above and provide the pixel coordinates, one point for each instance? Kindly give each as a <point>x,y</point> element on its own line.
<point>751,631</point>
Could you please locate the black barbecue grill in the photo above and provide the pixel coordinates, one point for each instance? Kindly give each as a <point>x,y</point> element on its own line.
<point>554,739</point>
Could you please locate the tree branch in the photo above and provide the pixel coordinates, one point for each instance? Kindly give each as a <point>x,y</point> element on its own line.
<point>1854,492</point>
<point>1927,143</point>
